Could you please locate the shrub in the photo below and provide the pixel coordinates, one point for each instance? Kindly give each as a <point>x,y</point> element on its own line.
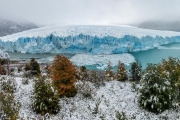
<point>9,107</point>
<point>35,69</point>
<point>83,74</point>
<point>3,61</point>
<point>135,71</point>
<point>96,109</point>
<point>63,76</point>
<point>159,91</point>
<point>46,98</point>
<point>33,66</point>
<point>19,68</point>
<point>171,68</point>
<point>121,74</point>
<point>121,116</point>
<point>27,67</point>
<point>47,69</point>
<point>25,81</point>
<point>85,88</point>
<point>109,75</point>
<point>97,78</point>
<point>2,70</point>
<point>8,84</point>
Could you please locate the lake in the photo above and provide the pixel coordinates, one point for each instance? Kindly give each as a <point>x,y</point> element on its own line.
<point>148,56</point>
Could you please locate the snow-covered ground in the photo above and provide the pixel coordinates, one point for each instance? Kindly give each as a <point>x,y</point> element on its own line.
<point>114,97</point>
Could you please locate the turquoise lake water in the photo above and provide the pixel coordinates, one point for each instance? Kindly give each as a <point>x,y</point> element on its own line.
<point>157,54</point>
<point>148,56</point>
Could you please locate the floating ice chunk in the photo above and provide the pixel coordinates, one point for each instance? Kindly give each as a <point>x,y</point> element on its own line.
<point>101,61</point>
<point>4,55</point>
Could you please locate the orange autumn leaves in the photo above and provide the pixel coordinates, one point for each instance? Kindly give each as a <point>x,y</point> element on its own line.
<point>63,76</point>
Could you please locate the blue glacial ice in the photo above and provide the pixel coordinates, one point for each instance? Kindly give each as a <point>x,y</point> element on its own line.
<point>87,39</point>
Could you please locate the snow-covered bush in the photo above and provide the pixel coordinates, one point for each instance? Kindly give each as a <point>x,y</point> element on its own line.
<point>97,78</point>
<point>96,109</point>
<point>121,116</point>
<point>46,98</point>
<point>171,68</point>
<point>109,75</point>
<point>83,74</point>
<point>135,71</point>
<point>2,70</point>
<point>121,74</point>
<point>33,66</point>
<point>9,108</point>
<point>27,67</point>
<point>158,91</point>
<point>25,81</point>
<point>63,76</point>
<point>8,84</point>
<point>85,88</point>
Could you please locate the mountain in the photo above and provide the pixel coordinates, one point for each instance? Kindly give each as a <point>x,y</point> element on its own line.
<point>87,39</point>
<point>159,25</point>
<point>8,27</point>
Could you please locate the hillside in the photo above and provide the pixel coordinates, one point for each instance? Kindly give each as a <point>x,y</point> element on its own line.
<point>159,25</point>
<point>8,27</point>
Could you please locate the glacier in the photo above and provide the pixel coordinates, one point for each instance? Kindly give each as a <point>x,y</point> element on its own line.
<point>90,39</point>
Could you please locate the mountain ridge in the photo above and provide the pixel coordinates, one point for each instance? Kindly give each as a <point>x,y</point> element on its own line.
<point>8,27</point>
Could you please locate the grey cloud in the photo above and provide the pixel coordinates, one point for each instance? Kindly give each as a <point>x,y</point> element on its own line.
<point>48,12</point>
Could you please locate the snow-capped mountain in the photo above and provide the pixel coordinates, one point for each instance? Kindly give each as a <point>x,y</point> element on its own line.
<point>87,39</point>
<point>8,27</point>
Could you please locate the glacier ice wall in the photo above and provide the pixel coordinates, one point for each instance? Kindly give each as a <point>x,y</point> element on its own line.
<point>87,39</point>
<point>85,44</point>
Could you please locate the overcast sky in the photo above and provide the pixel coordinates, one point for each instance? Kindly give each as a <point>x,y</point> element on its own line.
<point>50,12</point>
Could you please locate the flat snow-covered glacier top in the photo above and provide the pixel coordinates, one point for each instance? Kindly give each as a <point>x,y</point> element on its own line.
<point>92,30</point>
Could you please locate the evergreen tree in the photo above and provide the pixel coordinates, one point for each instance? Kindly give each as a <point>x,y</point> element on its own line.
<point>171,68</point>
<point>158,91</point>
<point>63,76</point>
<point>109,75</point>
<point>135,71</point>
<point>121,74</point>
<point>35,69</point>
<point>9,107</point>
<point>45,98</point>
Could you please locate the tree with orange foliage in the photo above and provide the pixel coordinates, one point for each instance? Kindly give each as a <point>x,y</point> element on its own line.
<point>63,76</point>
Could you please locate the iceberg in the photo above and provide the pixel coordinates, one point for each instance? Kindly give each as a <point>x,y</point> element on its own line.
<point>89,39</point>
<point>101,61</point>
<point>4,55</point>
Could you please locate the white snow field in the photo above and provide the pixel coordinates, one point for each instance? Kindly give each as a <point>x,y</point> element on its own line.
<point>114,97</point>
<point>91,39</point>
